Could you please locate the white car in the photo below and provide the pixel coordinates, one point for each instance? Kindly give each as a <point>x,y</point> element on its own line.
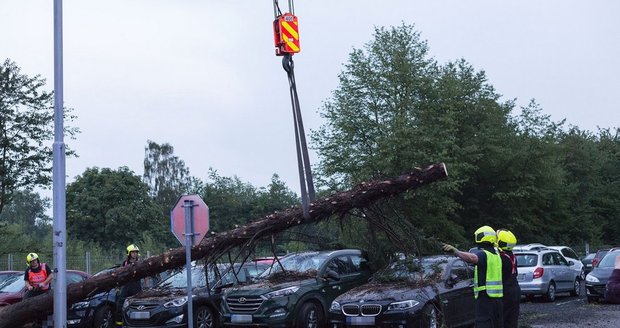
<point>570,255</point>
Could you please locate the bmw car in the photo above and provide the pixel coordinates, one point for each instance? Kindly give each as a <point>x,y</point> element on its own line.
<point>434,291</point>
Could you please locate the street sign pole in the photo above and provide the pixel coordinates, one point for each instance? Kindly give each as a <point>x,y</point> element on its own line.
<point>189,241</point>
<point>58,177</point>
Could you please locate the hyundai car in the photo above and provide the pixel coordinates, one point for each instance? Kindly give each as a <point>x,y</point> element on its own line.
<point>597,279</point>
<point>297,291</point>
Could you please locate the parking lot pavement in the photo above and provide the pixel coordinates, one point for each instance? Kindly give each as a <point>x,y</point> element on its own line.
<point>568,312</point>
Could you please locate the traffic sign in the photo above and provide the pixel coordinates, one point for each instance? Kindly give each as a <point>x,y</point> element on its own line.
<point>198,210</point>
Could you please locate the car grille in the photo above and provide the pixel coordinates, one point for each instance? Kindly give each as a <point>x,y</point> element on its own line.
<point>598,289</point>
<point>244,304</point>
<point>368,310</point>
<point>143,307</point>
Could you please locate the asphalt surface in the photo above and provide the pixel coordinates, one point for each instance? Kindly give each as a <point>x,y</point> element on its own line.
<point>568,312</point>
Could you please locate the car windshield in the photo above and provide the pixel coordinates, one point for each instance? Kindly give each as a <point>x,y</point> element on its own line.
<point>526,260</point>
<point>589,256</point>
<point>410,269</point>
<point>609,260</point>
<point>13,284</point>
<point>297,262</point>
<point>179,279</point>
<point>239,274</point>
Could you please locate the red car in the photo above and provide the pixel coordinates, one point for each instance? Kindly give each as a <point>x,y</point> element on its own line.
<point>13,289</point>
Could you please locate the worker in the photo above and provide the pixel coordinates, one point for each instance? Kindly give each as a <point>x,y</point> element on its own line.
<point>37,276</point>
<point>506,241</point>
<point>488,290</point>
<point>131,288</point>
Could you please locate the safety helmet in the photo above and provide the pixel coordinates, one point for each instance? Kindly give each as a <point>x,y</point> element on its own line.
<point>30,257</point>
<point>506,240</point>
<point>485,234</point>
<point>132,248</point>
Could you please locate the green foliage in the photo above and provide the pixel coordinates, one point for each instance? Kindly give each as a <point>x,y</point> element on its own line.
<point>26,126</point>
<point>233,202</point>
<point>112,209</point>
<point>166,174</point>
<point>396,107</point>
<point>27,209</point>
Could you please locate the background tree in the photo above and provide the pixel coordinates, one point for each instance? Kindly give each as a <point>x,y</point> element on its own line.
<point>112,208</point>
<point>28,210</point>
<point>26,125</point>
<point>396,108</point>
<point>165,174</point>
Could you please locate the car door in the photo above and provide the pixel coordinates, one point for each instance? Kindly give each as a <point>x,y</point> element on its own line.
<point>458,298</point>
<point>333,287</point>
<point>565,273</point>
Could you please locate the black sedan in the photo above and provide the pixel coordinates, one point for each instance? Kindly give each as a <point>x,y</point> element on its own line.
<point>430,291</point>
<point>597,279</point>
<point>587,262</point>
<point>166,304</point>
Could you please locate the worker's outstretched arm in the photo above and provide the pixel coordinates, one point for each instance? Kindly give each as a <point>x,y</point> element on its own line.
<point>465,256</point>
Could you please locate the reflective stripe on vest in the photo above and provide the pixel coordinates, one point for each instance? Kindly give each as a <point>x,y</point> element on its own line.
<point>493,286</point>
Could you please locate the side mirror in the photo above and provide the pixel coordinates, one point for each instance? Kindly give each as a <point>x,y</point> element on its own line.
<point>331,274</point>
<point>452,280</point>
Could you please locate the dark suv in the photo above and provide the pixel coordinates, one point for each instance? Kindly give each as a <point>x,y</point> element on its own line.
<point>297,291</point>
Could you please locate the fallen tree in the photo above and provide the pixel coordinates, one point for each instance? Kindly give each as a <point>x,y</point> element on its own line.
<point>340,203</point>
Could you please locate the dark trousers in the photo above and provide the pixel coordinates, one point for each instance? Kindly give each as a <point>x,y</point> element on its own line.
<point>130,289</point>
<point>512,303</point>
<point>489,311</point>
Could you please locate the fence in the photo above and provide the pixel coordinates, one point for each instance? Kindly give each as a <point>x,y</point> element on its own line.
<point>86,262</point>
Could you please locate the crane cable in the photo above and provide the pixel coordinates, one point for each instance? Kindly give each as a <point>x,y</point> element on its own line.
<point>303,159</point>
<point>287,44</point>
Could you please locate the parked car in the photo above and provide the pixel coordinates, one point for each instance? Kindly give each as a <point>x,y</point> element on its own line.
<point>599,255</point>
<point>98,310</point>
<point>166,305</point>
<point>570,255</point>
<point>587,262</point>
<point>546,272</point>
<point>4,275</point>
<point>95,311</point>
<point>297,291</point>
<point>434,291</point>
<point>529,247</point>
<point>597,279</point>
<point>14,288</point>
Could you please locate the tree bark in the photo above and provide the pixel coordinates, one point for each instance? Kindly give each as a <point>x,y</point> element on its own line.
<point>362,195</point>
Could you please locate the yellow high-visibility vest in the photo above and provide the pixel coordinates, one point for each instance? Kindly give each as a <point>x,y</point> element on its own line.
<point>493,285</point>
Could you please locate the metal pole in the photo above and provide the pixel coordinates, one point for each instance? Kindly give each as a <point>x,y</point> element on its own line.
<point>58,176</point>
<point>189,236</point>
<point>88,262</point>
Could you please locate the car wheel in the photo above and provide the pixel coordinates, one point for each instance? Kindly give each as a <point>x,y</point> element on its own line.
<point>576,287</point>
<point>432,318</point>
<point>104,318</point>
<point>550,295</point>
<point>592,299</point>
<point>310,316</point>
<point>203,318</point>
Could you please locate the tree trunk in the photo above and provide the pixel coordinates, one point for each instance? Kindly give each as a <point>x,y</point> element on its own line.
<point>362,195</point>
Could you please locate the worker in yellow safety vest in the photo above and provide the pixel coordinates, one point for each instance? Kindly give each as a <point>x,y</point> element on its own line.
<point>488,289</point>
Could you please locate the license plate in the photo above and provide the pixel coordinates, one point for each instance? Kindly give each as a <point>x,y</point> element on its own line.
<point>361,321</point>
<point>241,318</point>
<point>139,315</point>
<point>521,276</point>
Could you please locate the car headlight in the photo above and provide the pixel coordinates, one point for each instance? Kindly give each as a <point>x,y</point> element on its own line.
<point>176,302</point>
<point>404,305</point>
<point>125,304</point>
<point>79,305</point>
<point>591,278</point>
<point>282,292</point>
<point>335,307</point>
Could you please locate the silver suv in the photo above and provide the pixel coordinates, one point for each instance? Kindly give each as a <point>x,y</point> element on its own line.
<point>546,272</point>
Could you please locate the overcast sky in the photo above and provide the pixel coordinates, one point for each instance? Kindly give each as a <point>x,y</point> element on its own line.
<point>202,75</point>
